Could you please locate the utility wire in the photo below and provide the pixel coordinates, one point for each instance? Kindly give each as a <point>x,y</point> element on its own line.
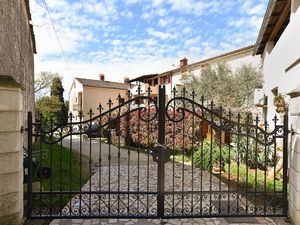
<point>57,37</point>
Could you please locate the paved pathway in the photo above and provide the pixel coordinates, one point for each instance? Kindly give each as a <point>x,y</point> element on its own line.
<point>105,149</point>
<point>202,221</point>
<point>121,177</point>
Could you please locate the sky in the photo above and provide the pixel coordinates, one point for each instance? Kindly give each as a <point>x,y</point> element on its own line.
<point>129,38</point>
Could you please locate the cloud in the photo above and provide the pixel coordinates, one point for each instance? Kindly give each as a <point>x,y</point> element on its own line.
<point>187,30</point>
<point>111,70</point>
<point>133,37</point>
<point>193,41</point>
<point>257,9</point>
<point>237,22</point>
<point>158,34</point>
<point>116,42</point>
<point>131,2</point>
<point>150,42</point>
<point>197,8</point>
<point>105,9</point>
<point>164,22</point>
<point>127,14</point>
<point>256,21</point>
<point>148,15</point>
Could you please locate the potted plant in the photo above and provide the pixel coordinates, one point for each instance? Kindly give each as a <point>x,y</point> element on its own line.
<point>216,167</point>
<point>279,102</point>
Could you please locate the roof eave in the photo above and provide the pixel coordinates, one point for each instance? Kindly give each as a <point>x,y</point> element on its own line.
<point>207,60</point>
<point>147,76</point>
<point>86,85</point>
<point>264,26</point>
<point>30,26</point>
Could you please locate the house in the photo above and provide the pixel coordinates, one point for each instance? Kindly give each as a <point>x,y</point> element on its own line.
<point>172,78</point>
<point>276,43</point>
<point>279,46</point>
<point>86,94</point>
<point>17,44</point>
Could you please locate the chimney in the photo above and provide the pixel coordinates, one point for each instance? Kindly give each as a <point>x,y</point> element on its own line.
<point>183,62</point>
<point>102,77</point>
<point>126,79</point>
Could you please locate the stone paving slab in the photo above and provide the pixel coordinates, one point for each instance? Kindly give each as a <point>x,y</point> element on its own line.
<point>144,179</point>
<point>198,221</point>
<point>141,176</point>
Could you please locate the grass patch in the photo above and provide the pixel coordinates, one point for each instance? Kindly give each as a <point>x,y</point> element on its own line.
<point>65,177</point>
<point>187,159</point>
<point>260,182</point>
<point>241,180</point>
<point>65,169</point>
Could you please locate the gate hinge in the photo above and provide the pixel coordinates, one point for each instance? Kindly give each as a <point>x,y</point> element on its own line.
<point>292,132</point>
<point>23,129</point>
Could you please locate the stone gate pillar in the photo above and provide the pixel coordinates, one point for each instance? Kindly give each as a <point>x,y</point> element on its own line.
<point>294,157</point>
<point>11,152</point>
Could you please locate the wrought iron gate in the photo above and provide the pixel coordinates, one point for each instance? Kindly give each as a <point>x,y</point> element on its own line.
<point>182,157</point>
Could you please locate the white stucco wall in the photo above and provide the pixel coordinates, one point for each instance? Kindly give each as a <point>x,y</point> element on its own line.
<point>234,61</point>
<point>72,96</point>
<point>247,58</point>
<point>135,86</point>
<point>277,59</point>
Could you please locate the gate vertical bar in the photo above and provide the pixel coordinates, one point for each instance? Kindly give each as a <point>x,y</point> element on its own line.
<point>161,142</point>
<point>285,162</point>
<point>29,192</point>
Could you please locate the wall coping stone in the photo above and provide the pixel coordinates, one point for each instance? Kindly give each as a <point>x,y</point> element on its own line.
<point>294,93</point>
<point>9,83</point>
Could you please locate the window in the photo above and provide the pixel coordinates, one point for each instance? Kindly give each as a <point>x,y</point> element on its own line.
<point>165,79</point>
<point>76,99</point>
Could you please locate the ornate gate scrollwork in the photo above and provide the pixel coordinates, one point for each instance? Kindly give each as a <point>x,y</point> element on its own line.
<point>147,159</point>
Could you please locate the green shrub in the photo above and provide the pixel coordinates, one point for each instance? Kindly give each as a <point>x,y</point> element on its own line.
<point>254,154</point>
<point>207,157</point>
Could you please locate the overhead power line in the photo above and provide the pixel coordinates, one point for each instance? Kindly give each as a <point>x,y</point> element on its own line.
<point>57,37</point>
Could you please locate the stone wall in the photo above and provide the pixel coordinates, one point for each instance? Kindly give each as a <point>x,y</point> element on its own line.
<point>294,159</point>
<point>16,99</point>
<point>11,157</point>
<point>17,47</point>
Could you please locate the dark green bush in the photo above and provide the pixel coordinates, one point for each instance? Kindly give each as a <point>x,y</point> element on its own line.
<point>210,155</point>
<point>253,154</point>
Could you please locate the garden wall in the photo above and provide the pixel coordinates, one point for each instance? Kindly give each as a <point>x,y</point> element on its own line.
<point>294,171</point>
<point>11,157</point>
<point>17,46</point>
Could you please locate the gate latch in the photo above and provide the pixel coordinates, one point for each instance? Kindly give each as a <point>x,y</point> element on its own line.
<point>23,129</point>
<point>166,153</point>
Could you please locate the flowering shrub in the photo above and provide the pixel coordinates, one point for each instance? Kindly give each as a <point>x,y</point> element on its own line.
<point>178,135</point>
